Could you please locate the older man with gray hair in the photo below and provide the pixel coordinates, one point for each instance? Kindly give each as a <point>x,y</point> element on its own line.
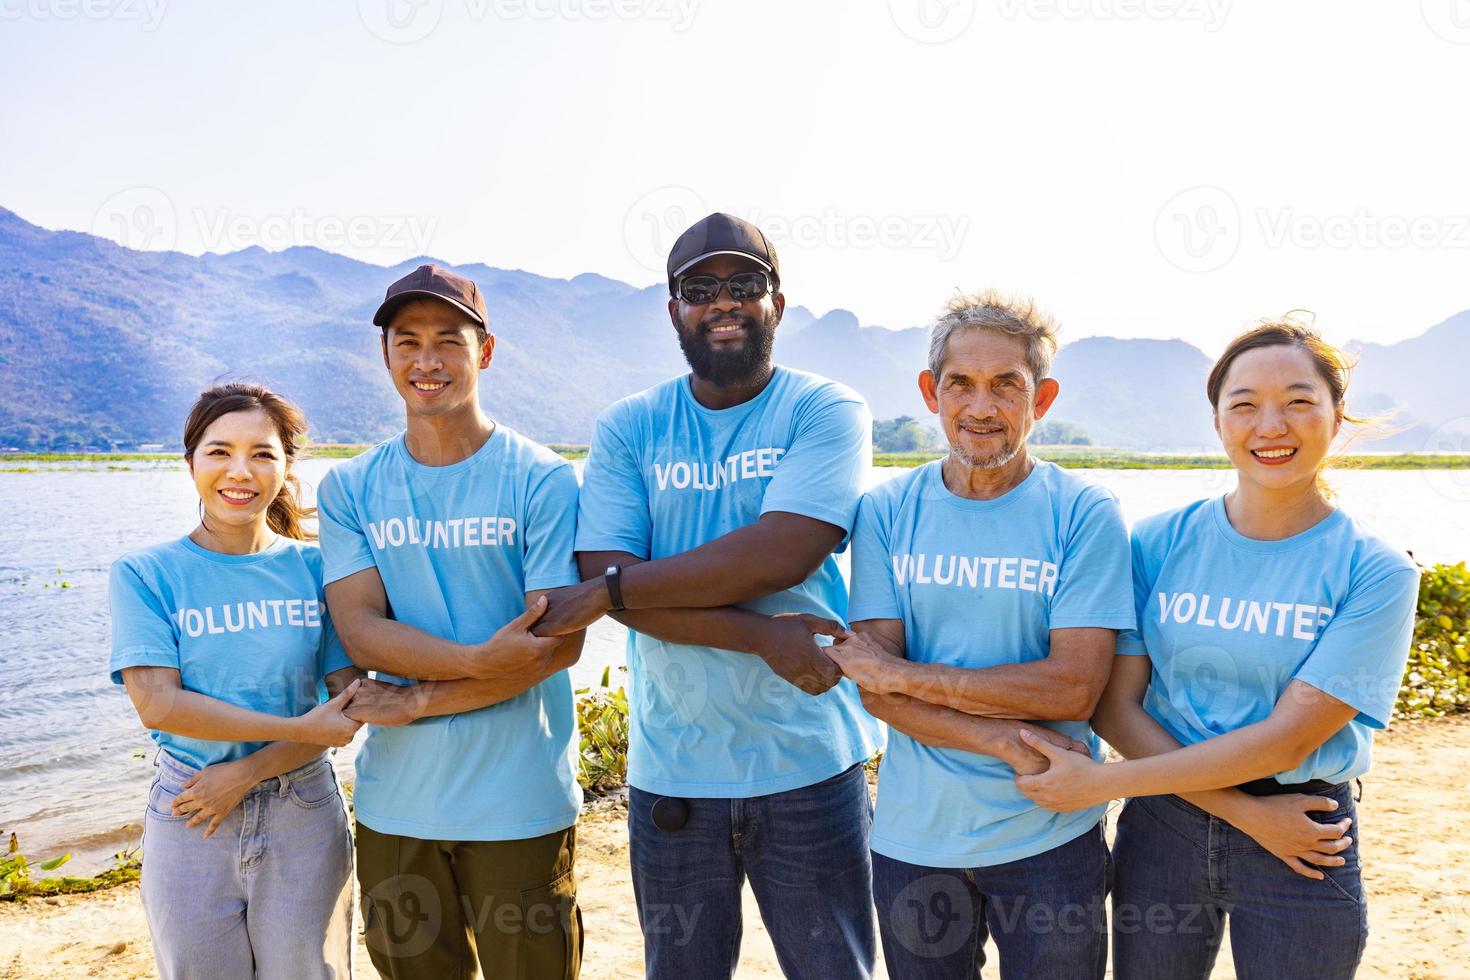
<point>987,591</point>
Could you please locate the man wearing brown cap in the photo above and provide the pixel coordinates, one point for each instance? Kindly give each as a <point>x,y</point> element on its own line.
<point>438,546</point>
<point>711,505</point>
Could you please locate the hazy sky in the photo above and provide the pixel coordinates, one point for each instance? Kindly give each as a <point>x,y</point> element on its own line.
<point>1154,168</point>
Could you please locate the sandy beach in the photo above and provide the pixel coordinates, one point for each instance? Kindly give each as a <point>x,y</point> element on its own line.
<point>1417,861</point>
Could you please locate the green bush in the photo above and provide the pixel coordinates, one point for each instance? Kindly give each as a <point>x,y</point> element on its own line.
<point>1437,681</point>
<point>602,717</point>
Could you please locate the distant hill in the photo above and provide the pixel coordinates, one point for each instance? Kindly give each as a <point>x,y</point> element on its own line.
<point>102,346</point>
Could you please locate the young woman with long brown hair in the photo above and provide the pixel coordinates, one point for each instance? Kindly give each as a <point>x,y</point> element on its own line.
<point>224,644</point>
<point>1273,633</point>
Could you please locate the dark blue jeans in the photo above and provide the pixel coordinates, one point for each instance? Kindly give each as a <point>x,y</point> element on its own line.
<point>805,853</point>
<point>1047,914</point>
<point>1182,872</point>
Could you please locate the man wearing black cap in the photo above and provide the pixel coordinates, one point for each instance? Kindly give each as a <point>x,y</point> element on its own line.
<point>438,546</point>
<point>710,508</point>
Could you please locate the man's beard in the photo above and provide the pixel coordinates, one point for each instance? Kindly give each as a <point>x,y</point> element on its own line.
<point>995,460</point>
<point>747,363</point>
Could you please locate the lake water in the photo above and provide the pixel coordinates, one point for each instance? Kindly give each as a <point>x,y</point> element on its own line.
<point>74,761</point>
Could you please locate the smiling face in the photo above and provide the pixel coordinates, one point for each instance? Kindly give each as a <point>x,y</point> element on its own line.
<point>1276,417</point>
<point>239,467</point>
<point>985,396</point>
<point>727,341</point>
<point>435,356</point>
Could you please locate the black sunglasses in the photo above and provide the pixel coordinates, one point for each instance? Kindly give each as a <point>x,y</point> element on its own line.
<point>706,289</point>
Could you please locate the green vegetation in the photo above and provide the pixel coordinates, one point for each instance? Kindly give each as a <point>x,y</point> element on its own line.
<point>16,881</point>
<point>1116,459</point>
<point>1437,681</point>
<point>1049,433</point>
<point>904,434</point>
<point>602,717</point>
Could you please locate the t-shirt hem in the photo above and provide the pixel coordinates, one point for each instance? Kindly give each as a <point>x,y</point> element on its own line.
<point>330,575</point>
<point>859,613</point>
<point>837,518</point>
<point>1101,621</point>
<point>551,582</point>
<point>465,832</point>
<point>986,857</point>
<point>638,549</point>
<point>143,657</point>
<point>744,789</point>
<point>1371,717</point>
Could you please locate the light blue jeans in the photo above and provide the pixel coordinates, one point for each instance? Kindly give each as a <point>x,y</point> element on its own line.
<point>268,895</point>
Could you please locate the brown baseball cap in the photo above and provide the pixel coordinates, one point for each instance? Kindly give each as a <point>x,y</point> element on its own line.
<point>431,280</point>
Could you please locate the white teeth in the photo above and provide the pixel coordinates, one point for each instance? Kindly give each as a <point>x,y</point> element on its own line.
<point>237,494</point>
<point>429,385</point>
<point>1273,453</point>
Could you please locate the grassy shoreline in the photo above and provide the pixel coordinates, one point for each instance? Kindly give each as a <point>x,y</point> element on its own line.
<point>1070,457</point>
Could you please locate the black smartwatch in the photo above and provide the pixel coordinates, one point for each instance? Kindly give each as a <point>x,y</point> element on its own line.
<point>613,577</point>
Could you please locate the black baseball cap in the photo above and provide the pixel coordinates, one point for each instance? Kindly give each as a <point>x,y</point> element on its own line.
<point>721,234</point>
<point>431,280</point>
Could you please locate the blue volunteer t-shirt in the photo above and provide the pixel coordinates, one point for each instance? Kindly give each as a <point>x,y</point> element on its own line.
<point>458,547</point>
<point>978,583</point>
<point>665,475</point>
<point>249,630</point>
<point>1229,621</point>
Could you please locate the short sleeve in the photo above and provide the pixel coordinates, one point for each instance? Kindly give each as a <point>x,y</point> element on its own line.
<point>821,474</point>
<point>345,548</point>
<point>143,633</point>
<point>1130,642</point>
<point>874,595</point>
<point>1094,585</point>
<point>550,531</point>
<point>334,655</point>
<point>1360,656</point>
<point>612,511</point>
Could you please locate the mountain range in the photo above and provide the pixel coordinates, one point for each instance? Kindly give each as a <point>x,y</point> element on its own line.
<point>103,346</point>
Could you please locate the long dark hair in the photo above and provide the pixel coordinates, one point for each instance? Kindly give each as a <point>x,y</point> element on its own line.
<point>285,516</point>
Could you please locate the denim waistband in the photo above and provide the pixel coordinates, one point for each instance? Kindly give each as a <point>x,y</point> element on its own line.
<point>279,785</point>
<point>1270,787</point>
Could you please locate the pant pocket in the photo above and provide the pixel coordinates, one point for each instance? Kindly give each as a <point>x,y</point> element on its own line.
<point>551,936</point>
<point>161,801</point>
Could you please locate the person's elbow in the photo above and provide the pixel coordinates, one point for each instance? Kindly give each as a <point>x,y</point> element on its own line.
<point>353,629</point>
<point>1078,694</point>
<point>1285,752</point>
<point>787,572</point>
